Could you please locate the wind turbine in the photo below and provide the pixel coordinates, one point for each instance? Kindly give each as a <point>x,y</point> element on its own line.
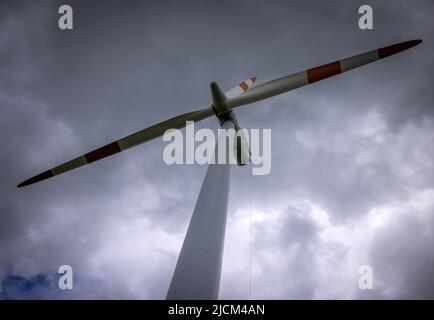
<point>198,269</point>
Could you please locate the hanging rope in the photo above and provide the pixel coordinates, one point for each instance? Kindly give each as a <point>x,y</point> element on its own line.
<point>250,237</point>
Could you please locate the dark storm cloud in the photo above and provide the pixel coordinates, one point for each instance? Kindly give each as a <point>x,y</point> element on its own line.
<point>346,146</point>
<point>407,266</point>
<point>16,287</point>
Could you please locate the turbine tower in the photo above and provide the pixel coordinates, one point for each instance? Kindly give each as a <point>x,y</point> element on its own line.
<point>198,269</point>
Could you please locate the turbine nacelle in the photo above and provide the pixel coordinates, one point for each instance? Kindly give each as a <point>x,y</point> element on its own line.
<point>241,144</point>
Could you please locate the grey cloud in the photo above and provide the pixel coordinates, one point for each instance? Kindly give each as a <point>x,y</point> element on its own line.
<point>403,257</point>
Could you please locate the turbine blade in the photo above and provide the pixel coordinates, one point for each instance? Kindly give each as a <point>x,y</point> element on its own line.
<point>240,88</point>
<point>120,145</point>
<point>294,81</point>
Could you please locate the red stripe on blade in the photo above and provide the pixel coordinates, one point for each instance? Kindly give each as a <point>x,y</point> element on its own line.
<point>102,152</point>
<point>324,71</point>
<point>42,176</point>
<point>244,86</point>
<point>388,51</point>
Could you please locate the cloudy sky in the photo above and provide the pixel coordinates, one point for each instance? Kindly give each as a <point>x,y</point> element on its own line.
<point>352,178</point>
